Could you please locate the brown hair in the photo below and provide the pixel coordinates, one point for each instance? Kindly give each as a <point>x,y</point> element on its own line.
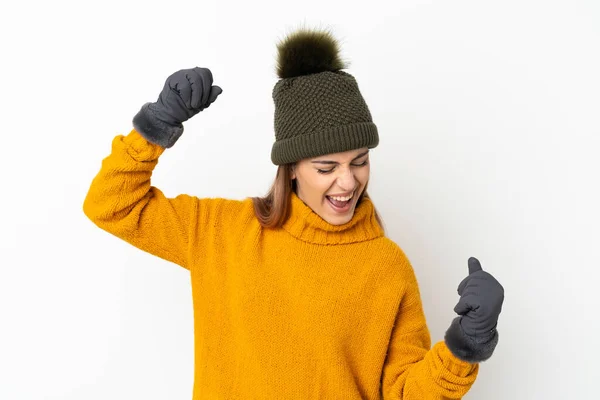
<point>272,209</point>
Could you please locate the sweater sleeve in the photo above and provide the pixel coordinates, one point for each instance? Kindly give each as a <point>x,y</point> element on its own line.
<point>412,370</point>
<point>122,201</point>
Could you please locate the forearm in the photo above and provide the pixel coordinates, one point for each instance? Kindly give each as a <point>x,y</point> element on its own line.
<point>439,375</point>
<point>413,369</point>
<point>122,201</point>
<point>122,183</point>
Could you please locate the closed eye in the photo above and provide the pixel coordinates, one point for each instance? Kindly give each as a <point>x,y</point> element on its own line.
<point>326,171</point>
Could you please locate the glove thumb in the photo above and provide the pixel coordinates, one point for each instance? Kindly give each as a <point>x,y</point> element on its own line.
<point>215,91</point>
<point>474,265</point>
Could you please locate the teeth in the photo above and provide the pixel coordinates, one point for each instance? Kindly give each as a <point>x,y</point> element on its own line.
<point>342,198</point>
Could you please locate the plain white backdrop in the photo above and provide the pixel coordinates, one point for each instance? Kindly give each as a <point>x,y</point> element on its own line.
<point>489,147</point>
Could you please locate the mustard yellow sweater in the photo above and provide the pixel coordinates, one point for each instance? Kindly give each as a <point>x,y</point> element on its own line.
<point>308,311</point>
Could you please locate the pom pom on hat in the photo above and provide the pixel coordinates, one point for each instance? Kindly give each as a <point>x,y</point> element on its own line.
<point>308,51</point>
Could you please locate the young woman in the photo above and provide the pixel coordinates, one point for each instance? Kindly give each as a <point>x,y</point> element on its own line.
<point>297,295</point>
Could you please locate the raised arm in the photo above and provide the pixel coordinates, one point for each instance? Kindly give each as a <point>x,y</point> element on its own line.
<point>121,199</point>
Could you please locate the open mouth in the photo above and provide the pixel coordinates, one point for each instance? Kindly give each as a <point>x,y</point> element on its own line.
<point>340,204</point>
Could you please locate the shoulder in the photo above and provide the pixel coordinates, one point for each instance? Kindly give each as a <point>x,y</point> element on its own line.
<point>219,218</point>
<point>396,259</point>
<point>225,209</point>
<point>391,249</point>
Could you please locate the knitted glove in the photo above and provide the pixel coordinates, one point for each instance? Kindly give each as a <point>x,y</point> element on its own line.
<point>473,336</point>
<point>186,93</point>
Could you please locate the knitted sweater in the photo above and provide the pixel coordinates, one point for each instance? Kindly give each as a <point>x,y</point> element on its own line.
<point>306,311</point>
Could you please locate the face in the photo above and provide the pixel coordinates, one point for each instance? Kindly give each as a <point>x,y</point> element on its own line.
<point>330,185</point>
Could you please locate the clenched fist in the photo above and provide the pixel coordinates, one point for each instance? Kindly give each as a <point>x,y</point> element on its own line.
<point>185,93</point>
<point>473,336</point>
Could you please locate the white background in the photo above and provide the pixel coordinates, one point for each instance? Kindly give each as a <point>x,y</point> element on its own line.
<point>488,114</point>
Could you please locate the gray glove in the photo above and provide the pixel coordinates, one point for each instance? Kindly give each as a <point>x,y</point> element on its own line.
<point>473,336</point>
<point>185,94</point>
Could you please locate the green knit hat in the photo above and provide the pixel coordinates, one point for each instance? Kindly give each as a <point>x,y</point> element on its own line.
<point>318,108</point>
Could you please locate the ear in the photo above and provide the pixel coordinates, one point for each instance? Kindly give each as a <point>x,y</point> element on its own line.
<point>293,172</point>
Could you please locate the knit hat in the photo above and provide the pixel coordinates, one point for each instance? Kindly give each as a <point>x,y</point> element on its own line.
<point>318,107</point>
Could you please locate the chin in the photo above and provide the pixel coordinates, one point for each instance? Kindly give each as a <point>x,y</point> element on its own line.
<point>338,219</point>
<point>341,221</point>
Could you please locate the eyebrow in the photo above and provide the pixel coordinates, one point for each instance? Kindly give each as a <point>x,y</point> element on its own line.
<point>335,162</point>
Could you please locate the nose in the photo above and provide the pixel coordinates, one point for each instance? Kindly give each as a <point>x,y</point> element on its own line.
<point>346,179</point>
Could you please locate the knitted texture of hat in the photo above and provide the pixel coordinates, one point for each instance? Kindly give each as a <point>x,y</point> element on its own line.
<point>318,108</point>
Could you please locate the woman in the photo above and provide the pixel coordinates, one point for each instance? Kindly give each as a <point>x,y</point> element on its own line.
<point>299,294</point>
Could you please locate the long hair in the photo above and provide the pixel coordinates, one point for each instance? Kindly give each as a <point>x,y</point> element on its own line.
<point>272,210</point>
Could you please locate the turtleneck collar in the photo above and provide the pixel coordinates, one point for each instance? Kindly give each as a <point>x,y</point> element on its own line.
<point>306,225</point>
